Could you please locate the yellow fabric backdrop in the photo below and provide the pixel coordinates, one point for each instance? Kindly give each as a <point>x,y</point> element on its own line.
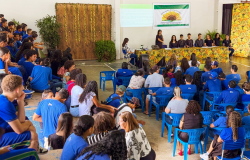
<point>240,30</point>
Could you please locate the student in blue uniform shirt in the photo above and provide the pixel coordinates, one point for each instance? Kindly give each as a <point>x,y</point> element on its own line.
<point>19,41</point>
<point>215,67</point>
<point>29,64</point>
<point>13,50</point>
<point>225,83</point>
<point>192,69</point>
<point>167,90</point>
<point>4,57</point>
<point>189,87</point>
<point>76,142</point>
<point>18,29</point>
<point>115,99</point>
<point>24,28</point>
<point>205,76</point>
<point>28,34</point>
<point>48,112</point>
<point>17,129</point>
<point>228,96</point>
<point>23,59</point>
<point>16,38</point>
<point>123,72</point>
<point>244,97</point>
<point>246,119</point>
<point>234,76</point>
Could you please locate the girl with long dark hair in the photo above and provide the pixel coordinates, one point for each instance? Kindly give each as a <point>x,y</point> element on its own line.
<point>178,79</point>
<point>208,41</point>
<point>56,62</point>
<point>217,39</point>
<point>173,43</point>
<point>129,51</point>
<point>193,58</point>
<point>184,65</point>
<point>89,97</point>
<point>159,40</point>
<point>168,72</point>
<point>64,129</point>
<point>24,46</point>
<point>173,60</point>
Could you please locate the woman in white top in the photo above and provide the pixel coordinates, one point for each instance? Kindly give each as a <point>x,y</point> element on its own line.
<point>137,80</point>
<point>138,147</point>
<point>89,97</point>
<point>193,57</point>
<point>80,84</point>
<point>129,51</point>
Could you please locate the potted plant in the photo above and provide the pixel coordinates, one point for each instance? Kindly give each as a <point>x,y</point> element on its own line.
<point>48,30</point>
<point>105,50</point>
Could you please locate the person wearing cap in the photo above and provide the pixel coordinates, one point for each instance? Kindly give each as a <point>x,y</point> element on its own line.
<point>215,67</point>
<point>188,87</point>
<point>155,79</point>
<point>212,85</point>
<point>181,42</point>
<point>199,42</point>
<point>115,99</point>
<point>205,76</point>
<point>167,90</point>
<point>228,96</point>
<point>244,97</point>
<point>234,76</point>
<point>189,42</point>
<point>191,70</point>
<point>123,72</point>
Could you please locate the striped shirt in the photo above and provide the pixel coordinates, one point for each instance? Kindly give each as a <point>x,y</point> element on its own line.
<point>96,138</point>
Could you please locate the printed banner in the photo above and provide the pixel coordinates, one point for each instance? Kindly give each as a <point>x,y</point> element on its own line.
<point>171,15</point>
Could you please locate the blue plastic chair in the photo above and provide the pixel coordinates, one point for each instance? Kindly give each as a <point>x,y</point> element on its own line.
<point>215,105</point>
<point>236,109</point>
<point>188,96</point>
<point>247,134</point>
<point>162,101</point>
<point>215,96</point>
<point>108,76</point>
<point>208,117</point>
<point>231,145</point>
<point>136,93</point>
<point>176,122</point>
<point>153,89</point>
<point>207,135</point>
<point>194,138</point>
<point>145,76</point>
<point>245,106</point>
<point>125,80</point>
<point>161,70</point>
<point>134,71</point>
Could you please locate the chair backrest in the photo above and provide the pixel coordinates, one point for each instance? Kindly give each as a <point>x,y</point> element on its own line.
<point>227,104</point>
<point>176,119</point>
<point>208,117</point>
<point>108,74</point>
<point>189,96</point>
<point>125,80</point>
<point>136,92</point>
<point>153,89</point>
<point>163,100</point>
<point>232,145</point>
<point>215,94</point>
<point>248,77</point>
<point>194,135</point>
<point>247,131</point>
<point>145,76</point>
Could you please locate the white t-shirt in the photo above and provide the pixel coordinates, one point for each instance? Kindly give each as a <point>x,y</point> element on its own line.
<point>75,94</point>
<point>189,62</point>
<point>136,82</point>
<point>85,106</point>
<point>117,119</point>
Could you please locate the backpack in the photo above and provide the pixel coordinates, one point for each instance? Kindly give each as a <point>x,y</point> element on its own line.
<point>109,99</point>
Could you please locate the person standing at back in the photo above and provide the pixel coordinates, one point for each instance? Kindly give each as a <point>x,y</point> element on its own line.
<point>159,40</point>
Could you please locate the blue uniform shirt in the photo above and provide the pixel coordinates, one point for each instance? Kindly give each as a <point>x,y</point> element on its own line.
<point>246,121</point>
<point>7,112</point>
<point>1,64</point>
<point>235,77</point>
<point>164,91</point>
<point>227,133</point>
<point>218,70</point>
<point>205,76</point>
<point>13,51</point>
<point>228,96</point>
<point>50,110</point>
<point>28,70</point>
<point>18,32</point>
<point>124,73</point>
<point>115,103</point>
<point>220,122</point>
<point>25,36</point>
<point>213,85</point>
<point>192,70</point>
<point>41,76</point>
<point>21,61</point>
<point>19,43</point>
<point>95,157</point>
<point>188,88</point>
<point>73,147</point>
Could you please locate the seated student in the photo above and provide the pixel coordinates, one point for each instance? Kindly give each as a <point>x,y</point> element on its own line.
<point>189,41</point>
<point>76,142</point>
<point>192,69</point>
<point>104,123</point>
<point>69,66</point>
<point>80,84</point>
<point>56,62</point>
<point>24,46</point>
<point>194,58</point>
<point>181,42</point>
<point>4,58</point>
<point>215,67</point>
<point>168,72</point>
<point>227,43</point>
<point>63,130</point>
<point>245,97</point>
<point>115,99</point>
<point>23,59</point>
<point>246,119</point>
<point>225,82</point>
<point>17,129</point>
<point>184,66</point>
<point>205,76</point>
<point>134,133</point>
<point>221,122</point>
<point>62,70</point>
<point>155,79</point>
<point>29,64</point>
<point>189,87</point>
<point>112,145</point>
<point>173,61</point>
<point>137,81</point>
<point>234,76</point>
<point>208,41</point>
<point>199,42</point>
<point>48,112</point>
<point>24,28</point>
<point>89,97</point>
<point>123,72</point>
<point>36,44</point>
<point>228,96</point>
<point>173,43</point>
<point>28,34</point>
<point>70,84</point>
<point>11,27</point>
<point>13,50</point>
<point>16,38</point>
<point>18,29</point>
<point>177,80</point>
<point>167,90</point>
<point>233,131</point>
<point>19,42</point>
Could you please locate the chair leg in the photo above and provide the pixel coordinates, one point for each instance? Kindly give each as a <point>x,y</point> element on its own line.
<point>114,85</point>
<point>175,142</point>
<point>150,108</point>
<point>162,124</point>
<point>157,113</point>
<point>100,83</point>
<point>185,151</point>
<point>206,138</point>
<point>103,85</point>
<point>169,133</point>
<point>142,106</point>
<point>201,151</point>
<point>196,148</point>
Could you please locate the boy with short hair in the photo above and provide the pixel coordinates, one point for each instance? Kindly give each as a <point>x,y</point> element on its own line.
<point>4,25</point>
<point>16,38</point>
<point>11,26</point>
<point>188,87</point>
<point>205,76</point>
<point>191,70</point>
<point>24,28</point>
<point>18,29</point>
<point>199,42</point>
<point>215,67</point>
<point>48,112</point>
<point>29,64</point>
<point>4,58</point>
<point>13,49</point>
<point>189,41</point>
<point>234,76</point>
<point>181,42</point>
<point>28,34</point>
<point>244,97</point>
<point>167,90</point>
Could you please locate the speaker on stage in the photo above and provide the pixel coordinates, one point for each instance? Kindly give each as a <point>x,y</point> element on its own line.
<point>142,58</point>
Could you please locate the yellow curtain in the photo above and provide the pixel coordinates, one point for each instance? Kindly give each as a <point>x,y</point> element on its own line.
<point>240,30</point>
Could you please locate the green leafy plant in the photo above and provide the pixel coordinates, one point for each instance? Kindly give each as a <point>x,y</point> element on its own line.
<point>48,29</point>
<point>16,22</point>
<point>213,33</point>
<point>105,50</point>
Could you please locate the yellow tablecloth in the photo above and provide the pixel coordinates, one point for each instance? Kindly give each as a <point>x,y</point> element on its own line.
<point>220,54</point>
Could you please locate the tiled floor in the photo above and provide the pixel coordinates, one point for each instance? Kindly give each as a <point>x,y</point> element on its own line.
<point>164,150</point>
